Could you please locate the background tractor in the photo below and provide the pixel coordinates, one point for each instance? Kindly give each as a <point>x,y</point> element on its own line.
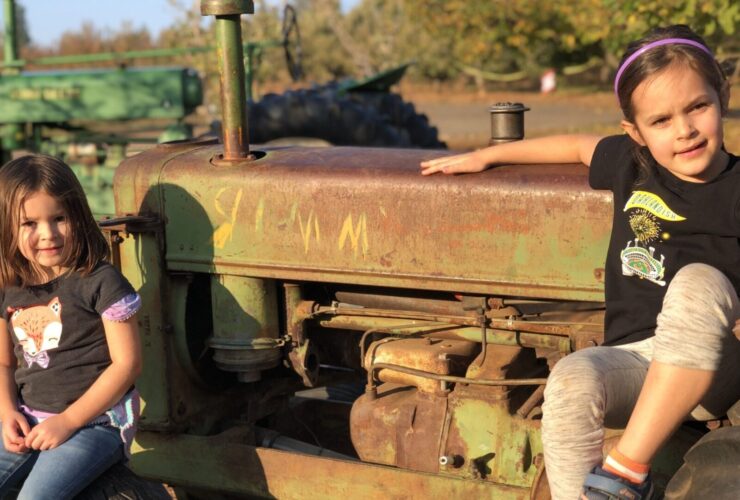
<point>91,117</point>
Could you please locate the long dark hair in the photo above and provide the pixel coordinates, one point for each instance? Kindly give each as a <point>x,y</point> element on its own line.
<point>25,176</point>
<point>657,59</point>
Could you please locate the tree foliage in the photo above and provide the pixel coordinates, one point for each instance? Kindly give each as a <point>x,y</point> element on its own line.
<point>530,35</point>
<point>444,37</point>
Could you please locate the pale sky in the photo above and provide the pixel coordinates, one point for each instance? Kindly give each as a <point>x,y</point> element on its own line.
<point>48,19</point>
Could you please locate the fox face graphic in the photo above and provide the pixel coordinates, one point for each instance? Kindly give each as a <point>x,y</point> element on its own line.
<point>38,330</point>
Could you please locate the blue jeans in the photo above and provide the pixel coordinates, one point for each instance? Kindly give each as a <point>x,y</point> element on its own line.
<point>64,471</point>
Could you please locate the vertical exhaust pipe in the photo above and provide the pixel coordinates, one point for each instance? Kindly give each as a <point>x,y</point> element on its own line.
<point>235,128</point>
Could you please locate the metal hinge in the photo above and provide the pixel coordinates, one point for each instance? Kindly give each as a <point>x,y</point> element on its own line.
<point>116,228</point>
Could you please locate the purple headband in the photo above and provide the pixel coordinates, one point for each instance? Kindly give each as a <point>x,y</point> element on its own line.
<point>657,43</point>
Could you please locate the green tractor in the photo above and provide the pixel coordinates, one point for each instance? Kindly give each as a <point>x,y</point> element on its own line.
<point>323,322</point>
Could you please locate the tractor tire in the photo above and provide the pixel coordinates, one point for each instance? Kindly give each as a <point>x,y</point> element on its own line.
<point>339,120</point>
<point>117,483</point>
<point>711,468</point>
<point>120,483</point>
<point>403,116</point>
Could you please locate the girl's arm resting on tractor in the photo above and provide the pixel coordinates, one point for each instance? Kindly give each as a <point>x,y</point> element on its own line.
<point>552,149</point>
<point>14,424</point>
<point>110,386</point>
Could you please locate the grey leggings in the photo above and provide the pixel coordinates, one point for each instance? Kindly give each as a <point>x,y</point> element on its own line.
<point>599,386</point>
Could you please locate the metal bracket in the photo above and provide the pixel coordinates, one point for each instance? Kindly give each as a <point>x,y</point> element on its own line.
<point>115,229</point>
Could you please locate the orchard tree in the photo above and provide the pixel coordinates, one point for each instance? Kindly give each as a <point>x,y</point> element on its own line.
<point>497,36</point>
<point>325,57</point>
<point>615,23</point>
<point>392,37</point>
<point>504,37</point>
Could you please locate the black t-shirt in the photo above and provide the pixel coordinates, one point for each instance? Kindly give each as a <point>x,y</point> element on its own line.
<point>58,334</point>
<point>660,226</point>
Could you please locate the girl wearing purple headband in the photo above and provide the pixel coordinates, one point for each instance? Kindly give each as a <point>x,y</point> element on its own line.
<point>669,352</point>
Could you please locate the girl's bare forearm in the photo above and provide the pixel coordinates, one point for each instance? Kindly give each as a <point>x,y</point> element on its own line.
<point>552,149</point>
<point>543,150</point>
<point>8,390</point>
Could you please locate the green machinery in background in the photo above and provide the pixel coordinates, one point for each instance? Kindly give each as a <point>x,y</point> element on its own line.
<point>69,113</point>
<point>90,117</point>
<point>327,323</point>
<point>47,112</point>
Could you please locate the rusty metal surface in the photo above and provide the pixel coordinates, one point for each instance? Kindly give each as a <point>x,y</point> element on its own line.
<point>304,360</point>
<point>497,363</point>
<point>297,213</point>
<point>400,427</point>
<point>504,452</point>
<point>559,327</point>
<point>499,382</point>
<point>446,331</point>
<point>409,303</point>
<point>479,435</point>
<point>442,357</point>
<point>234,467</point>
<point>476,430</point>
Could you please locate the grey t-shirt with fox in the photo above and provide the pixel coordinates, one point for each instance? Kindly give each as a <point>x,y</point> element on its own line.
<point>58,334</point>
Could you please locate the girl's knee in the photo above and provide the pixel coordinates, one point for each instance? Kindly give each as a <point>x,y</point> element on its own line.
<point>593,385</point>
<point>571,370</point>
<point>695,324</point>
<point>700,298</point>
<point>577,377</point>
<point>702,284</point>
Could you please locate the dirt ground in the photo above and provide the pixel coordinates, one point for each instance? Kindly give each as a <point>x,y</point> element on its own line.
<point>463,120</point>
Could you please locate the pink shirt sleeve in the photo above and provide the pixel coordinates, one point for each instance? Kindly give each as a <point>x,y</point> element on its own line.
<point>123,309</point>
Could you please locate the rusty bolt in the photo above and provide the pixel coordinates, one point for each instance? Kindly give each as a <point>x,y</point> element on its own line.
<point>455,461</point>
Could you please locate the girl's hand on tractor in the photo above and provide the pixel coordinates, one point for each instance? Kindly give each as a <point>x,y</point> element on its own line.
<point>736,329</point>
<point>458,164</point>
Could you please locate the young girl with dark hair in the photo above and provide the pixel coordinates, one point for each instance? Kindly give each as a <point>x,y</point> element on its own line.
<point>67,403</point>
<point>672,269</point>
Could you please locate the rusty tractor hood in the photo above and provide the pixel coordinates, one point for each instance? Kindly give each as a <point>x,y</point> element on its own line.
<point>367,216</point>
